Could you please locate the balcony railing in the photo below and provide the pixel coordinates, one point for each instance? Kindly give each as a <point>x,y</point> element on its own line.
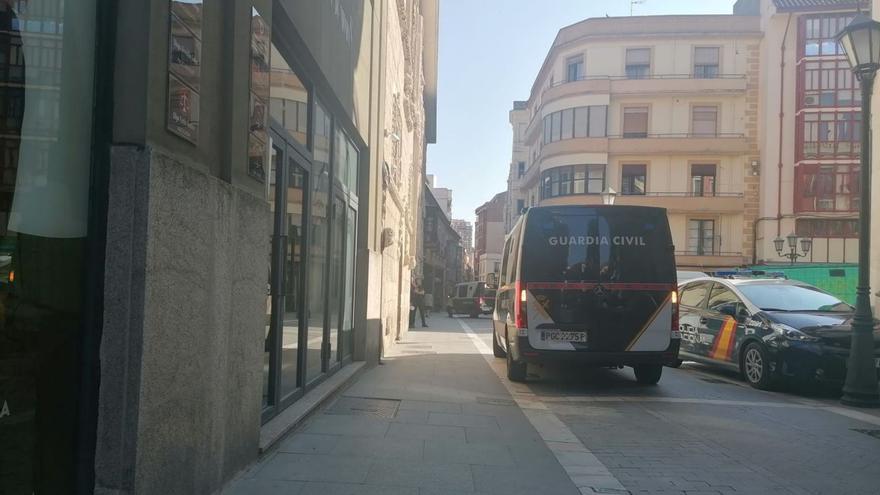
<point>707,253</point>
<point>648,78</point>
<point>677,135</point>
<point>688,194</point>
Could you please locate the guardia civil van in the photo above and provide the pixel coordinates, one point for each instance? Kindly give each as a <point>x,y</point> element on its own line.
<point>595,284</point>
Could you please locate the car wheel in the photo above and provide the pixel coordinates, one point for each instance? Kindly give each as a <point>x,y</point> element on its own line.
<point>497,350</point>
<point>516,372</point>
<point>676,364</point>
<point>648,374</point>
<point>755,367</point>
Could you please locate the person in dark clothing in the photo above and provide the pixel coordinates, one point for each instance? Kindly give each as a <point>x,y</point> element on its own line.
<point>417,303</point>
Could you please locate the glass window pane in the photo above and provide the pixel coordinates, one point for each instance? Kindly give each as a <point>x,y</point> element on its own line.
<point>286,85</point>
<point>557,126</point>
<point>598,121</point>
<point>318,242</point>
<point>580,122</point>
<point>294,269</point>
<point>635,122</point>
<point>567,123</point>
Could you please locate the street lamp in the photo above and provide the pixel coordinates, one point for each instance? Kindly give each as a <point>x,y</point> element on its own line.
<point>861,43</point>
<point>608,196</point>
<point>792,254</point>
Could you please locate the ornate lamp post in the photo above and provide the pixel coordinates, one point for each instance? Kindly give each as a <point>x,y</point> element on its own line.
<point>608,196</point>
<point>861,42</point>
<point>792,254</point>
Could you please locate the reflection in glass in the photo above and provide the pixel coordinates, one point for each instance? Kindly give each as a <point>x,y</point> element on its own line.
<point>293,271</point>
<point>259,96</point>
<point>289,99</point>
<point>345,346</point>
<point>318,233</point>
<point>46,85</point>
<point>336,271</point>
<point>268,393</point>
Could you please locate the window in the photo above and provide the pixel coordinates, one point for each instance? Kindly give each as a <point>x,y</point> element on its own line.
<point>292,114</point>
<point>638,63</point>
<point>818,34</point>
<point>829,83</point>
<point>633,182</point>
<point>705,120</point>
<point>574,179</point>
<point>820,187</point>
<point>693,295</point>
<point>574,68</point>
<point>701,237</point>
<point>521,169</point>
<point>721,296</point>
<point>703,180</point>
<point>520,206</point>
<point>706,61</point>
<point>830,228</point>
<point>635,122</point>
<point>829,135</point>
<point>577,122</point>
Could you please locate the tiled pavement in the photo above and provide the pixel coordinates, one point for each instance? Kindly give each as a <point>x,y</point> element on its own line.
<point>455,427</point>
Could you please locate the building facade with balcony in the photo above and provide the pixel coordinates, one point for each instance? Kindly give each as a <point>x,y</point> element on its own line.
<point>810,120</point>
<point>441,255</point>
<point>663,110</point>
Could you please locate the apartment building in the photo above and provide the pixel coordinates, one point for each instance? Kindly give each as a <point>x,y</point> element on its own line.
<point>489,238</point>
<point>661,109</point>
<point>810,140</point>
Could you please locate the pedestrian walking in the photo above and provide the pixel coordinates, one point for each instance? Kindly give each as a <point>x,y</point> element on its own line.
<point>417,303</point>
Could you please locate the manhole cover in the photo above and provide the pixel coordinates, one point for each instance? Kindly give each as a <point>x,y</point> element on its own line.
<point>715,380</point>
<point>492,401</point>
<point>870,433</point>
<point>361,406</point>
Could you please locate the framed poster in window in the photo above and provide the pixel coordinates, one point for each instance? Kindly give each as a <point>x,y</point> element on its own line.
<point>184,68</point>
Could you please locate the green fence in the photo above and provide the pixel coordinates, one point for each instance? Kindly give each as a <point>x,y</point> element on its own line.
<point>839,279</point>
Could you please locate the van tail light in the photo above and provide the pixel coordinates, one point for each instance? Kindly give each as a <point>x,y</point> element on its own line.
<point>676,332</point>
<point>519,306</point>
<point>481,301</point>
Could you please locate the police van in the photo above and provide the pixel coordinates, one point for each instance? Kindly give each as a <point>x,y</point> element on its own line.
<point>594,284</point>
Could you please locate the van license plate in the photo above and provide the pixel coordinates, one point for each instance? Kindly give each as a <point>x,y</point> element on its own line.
<point>562,336</point>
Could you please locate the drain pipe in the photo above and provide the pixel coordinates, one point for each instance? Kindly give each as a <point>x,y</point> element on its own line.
<point>781,120</point>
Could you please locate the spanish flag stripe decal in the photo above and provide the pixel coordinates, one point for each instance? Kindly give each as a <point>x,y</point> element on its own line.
<point>722,348</point>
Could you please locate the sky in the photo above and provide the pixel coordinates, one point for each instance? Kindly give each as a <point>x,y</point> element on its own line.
<point>490,52</point>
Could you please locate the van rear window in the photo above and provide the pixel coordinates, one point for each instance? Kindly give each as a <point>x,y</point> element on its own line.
<point>617,244</point>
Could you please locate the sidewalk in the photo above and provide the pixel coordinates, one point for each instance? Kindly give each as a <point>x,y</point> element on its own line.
<point>435,419</point>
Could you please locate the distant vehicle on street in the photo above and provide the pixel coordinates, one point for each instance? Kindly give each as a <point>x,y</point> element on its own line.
<point>593,284</point>
<point>767,329</point>
<point>685,275</point>
<point>472,299</point>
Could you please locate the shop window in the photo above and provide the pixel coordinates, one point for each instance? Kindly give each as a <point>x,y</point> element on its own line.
<point>703,180</point>
<point>704,120</point>
<point>635,122</point>
<point>638,63</point>
<point>574,68</point>
<point>706,62</point>
<point>633,180</point>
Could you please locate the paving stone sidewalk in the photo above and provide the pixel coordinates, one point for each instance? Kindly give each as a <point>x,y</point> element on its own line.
<point>434,419</point>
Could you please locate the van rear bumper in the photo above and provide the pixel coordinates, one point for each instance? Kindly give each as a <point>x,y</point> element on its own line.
<point>523,352</point>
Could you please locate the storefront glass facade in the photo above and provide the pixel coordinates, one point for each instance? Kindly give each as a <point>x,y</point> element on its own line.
<point>314,165</point>
<point>46,100</point>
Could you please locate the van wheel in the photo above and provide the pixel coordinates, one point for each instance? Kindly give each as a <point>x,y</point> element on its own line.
<point>449,312</point>
<point>497,350</point>
<point>648,374</point>
<point>516,372</point>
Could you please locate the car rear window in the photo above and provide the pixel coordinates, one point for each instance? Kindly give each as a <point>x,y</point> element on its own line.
<point>613,244</point>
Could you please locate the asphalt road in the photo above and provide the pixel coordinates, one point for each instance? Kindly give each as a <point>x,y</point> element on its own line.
<point>702,430</point>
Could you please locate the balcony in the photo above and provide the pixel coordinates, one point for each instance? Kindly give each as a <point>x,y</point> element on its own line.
<point>680,144</point>
<point>674,202</point>
<point>680,83</point>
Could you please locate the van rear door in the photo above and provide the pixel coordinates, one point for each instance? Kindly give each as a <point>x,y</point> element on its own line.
<point>599,278</point>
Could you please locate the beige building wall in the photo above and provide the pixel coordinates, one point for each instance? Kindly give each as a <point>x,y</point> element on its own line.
<point>670,92</point>
<point>402,173</point>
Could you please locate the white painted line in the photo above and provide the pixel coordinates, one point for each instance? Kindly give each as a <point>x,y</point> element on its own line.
<point>584,469</point>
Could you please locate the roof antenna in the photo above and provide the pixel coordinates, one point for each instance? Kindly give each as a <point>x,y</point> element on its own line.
<point>633,3</point>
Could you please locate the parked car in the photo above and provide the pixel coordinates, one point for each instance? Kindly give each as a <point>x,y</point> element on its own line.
<point>685,275</point>
<point>472,299</point>
<point>767,329</point>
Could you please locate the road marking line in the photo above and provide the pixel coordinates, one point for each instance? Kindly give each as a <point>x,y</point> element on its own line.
<point>583,468</point>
